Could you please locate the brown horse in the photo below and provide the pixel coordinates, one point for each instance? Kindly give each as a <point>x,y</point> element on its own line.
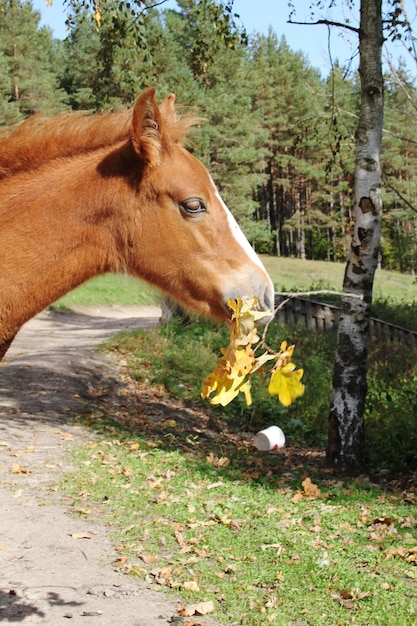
<point>82,195</point>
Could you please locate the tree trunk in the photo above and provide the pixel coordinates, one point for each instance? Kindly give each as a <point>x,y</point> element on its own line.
<point>346,426</point>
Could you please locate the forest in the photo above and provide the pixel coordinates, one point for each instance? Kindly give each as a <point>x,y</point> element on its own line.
<point>277,136</point>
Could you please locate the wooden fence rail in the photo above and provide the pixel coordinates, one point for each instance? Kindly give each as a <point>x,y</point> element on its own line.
<point>317,316</point>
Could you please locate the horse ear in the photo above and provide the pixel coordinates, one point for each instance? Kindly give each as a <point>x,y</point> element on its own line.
<point>168,107</point>
<point>146,128</point>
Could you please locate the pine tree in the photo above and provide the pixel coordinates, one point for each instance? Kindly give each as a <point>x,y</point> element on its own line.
<point>217,75</point>
<point>289,93</point>
<point>399,170</point>
<point>28,53</point>
<point>80,53</point>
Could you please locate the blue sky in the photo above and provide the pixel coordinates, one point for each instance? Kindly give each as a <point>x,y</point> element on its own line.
<point>259,15</point>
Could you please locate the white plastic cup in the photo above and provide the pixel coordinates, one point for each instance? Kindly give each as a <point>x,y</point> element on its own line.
<point>270,438</point>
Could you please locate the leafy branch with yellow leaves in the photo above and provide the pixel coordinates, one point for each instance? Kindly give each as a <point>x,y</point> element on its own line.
<point>246,353</point>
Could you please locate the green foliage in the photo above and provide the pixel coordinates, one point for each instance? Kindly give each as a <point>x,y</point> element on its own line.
<point>180,356</point>
<point>278,137</point>
<point>28,65</point>
<point>391,405</point>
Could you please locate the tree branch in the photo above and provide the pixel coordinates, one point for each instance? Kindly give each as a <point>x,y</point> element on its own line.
<point>327,23</point>
<point>305,294</point>
<point>410,206</point>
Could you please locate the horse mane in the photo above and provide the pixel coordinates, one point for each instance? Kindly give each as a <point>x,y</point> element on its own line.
<point>31,143</point>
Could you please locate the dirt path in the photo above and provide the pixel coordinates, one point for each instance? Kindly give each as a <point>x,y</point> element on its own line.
<point>48,573</point>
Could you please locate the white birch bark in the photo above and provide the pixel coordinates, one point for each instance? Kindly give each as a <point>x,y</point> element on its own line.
<point>346,427</point>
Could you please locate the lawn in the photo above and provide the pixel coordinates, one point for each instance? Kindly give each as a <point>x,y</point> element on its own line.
<point>297,275</point>
<point>287,275</point>
<point>394,293</point>
<point>107,289</point>
<point>249,537</point>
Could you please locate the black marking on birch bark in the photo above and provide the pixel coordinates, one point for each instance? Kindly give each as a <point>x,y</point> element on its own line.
<point>367,206</point>
<point>358,268</point>
<point>368,164</point>
<point>364,234</point>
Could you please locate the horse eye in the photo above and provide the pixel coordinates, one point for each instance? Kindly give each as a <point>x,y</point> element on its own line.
<point>193,206</point>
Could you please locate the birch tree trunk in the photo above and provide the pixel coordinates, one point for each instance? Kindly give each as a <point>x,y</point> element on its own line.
<point>346,426</point>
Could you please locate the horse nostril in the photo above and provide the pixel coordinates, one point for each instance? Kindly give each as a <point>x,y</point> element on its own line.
<point>267,303</point>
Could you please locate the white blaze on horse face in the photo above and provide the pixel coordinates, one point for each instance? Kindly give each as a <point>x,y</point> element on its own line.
<point>238,234</point>
<point>266,297</point>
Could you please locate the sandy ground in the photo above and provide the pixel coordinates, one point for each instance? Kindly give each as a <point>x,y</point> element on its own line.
<point>55,568</point>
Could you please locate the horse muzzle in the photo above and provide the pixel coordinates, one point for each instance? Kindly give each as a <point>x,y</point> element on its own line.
<point>251,287</point>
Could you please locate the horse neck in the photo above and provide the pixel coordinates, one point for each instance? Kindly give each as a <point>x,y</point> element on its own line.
<point>57,231</point>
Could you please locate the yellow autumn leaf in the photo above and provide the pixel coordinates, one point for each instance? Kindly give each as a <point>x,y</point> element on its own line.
<point>228,377</point>
<point>98,18</point>
<point>245,317</point>
<point>231,375</point>
<point>286,384</point>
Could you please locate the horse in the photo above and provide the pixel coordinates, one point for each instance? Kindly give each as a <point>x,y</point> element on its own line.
<point>85,194</point>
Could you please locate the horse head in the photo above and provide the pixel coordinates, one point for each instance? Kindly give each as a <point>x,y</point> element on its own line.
<point>190,244</point>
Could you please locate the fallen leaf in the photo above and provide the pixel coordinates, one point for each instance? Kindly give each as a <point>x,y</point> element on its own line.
<point>387,587</point>
<point>82,511</point>
<point>121,559</point>
<point>203,608</point>
<point>215,485</point>
<point>169,423</point>
<point>190,585</point>
<point>348,604</point>
<point>18,469</point>
<point>216,461</point>
<point>265,546</point>
<point>386,521</point>
<point>310,489</point>
<point>163,576</point>
<point>180,539</point>
<point>408,554</point>
<point>64,435</point>
<point>147,558</point>
<point>272,603</point>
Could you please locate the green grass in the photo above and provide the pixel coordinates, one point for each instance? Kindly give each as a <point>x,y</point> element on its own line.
<point>252,536</point>
<point>287,275</point>
<point>195,509</point>
<point>111,289</point>
<point>394,294</point>
<point>297,275</point>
